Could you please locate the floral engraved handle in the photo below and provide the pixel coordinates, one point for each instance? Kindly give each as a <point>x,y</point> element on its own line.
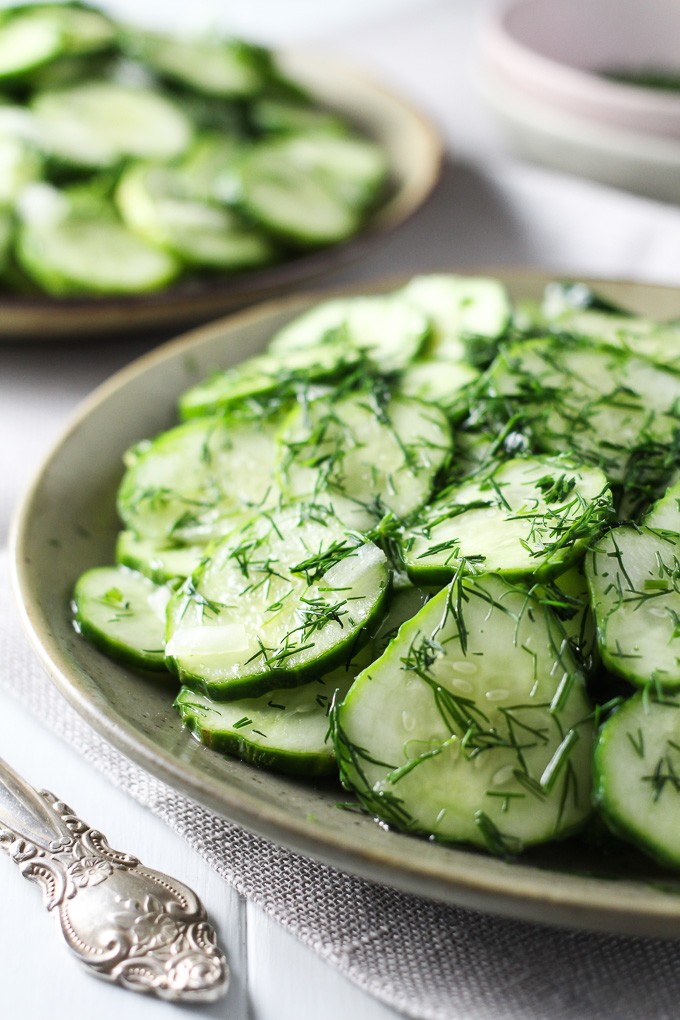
<point>130,925</point>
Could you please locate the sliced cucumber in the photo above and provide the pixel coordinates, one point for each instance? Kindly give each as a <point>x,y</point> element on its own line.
<point>657,341</point>
<point>152,202</point>
<point>664,515</point>
<point>79,254</point>
<point>474,726</point>
<point>634,579</point>
<point>562,296</point>
<point>264,376</point>
<point>205,170</point>
<point>27,43</point>
<point>468,313</point>
<point>637,775</point>
<point>291,201</point>
<point>216,67</point>
<point>388,329</point>
<point>123,613</point>
<point>281,116</point>
<point>528,517</point>
<point>280,601</point>
<point>381,453</point>
<point>438,382</point>
<point>285,730</point>
<point>160,563</point>
<point>194,482</point>
<point>596,403</point>
<point>82,30</point>
<point>98,124</point>
<point>353,168</point>
<point>20,164</point>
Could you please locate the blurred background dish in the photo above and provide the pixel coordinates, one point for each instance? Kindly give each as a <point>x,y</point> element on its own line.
<point>413,151</point>
<point>589,88</point>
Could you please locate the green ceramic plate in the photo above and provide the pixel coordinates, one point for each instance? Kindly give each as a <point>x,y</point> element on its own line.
<point>68,523</point>
<point>414,152</point>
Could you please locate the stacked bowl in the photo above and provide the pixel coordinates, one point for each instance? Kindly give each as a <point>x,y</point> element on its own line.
<point>591,88</point>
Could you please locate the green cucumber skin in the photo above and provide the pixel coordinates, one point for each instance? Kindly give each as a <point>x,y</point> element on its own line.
<point>146,661</point>
<point>261,683</point>
<point>245,745</point>
<point>595,509</point>
<point>276,761</point>
<point>624,662</point>
<point>638,836</point>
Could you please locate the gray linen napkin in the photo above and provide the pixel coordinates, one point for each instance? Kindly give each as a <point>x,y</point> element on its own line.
<point>422,958</point>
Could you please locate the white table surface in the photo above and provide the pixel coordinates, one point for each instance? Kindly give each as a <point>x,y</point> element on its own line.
<point>489,210</point>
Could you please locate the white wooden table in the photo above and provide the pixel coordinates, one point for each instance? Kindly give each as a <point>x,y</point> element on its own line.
<point>489,210</point>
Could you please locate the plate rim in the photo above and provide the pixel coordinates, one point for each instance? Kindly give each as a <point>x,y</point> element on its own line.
<point>526,892</point>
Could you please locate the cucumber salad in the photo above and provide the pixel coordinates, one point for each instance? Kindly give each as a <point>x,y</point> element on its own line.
<point>428,541</point>
<point>130,159</point>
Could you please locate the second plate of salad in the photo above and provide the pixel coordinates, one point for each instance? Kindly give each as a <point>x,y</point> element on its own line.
<point>152,180</point>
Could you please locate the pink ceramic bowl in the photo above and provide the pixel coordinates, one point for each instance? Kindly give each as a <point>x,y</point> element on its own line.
<point>555,51</point>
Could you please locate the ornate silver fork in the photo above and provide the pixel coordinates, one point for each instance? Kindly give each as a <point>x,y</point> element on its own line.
<point>127,924</point>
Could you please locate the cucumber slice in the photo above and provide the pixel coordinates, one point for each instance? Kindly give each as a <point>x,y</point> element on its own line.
<point>98,124</point>
<point>353,168</point>
<point>160,563</point>
<point>389,330</point>
<point>474,726</point>
<point>568,596</point>
<point>468,314</point>
<point>438,382</point>
<point>280,116</point>
<point>194,482</point>
<point>657,341</point>
<point>634,579</point>
<point>378,452</point>
<point>123,613</point>
<point>290,200</point>
<point>528,517</point>
<point>279,377</point>
<point>217,67</point>
<point>664,515</point>
<point>27,43</point>
<point>82,30</point>
<point>567,296</point>
<point>280,601</point>
<point>208,165</point>
<point>91,255</point>
<point>284,730</point>
<point>20,164</point>
<point>598,404</point>
<point>637,775</point>
<point>6,238</point>
<point>152,203</point>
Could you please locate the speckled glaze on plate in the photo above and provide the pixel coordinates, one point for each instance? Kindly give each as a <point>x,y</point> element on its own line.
<point>68,522</point>
<point>414,151</point>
